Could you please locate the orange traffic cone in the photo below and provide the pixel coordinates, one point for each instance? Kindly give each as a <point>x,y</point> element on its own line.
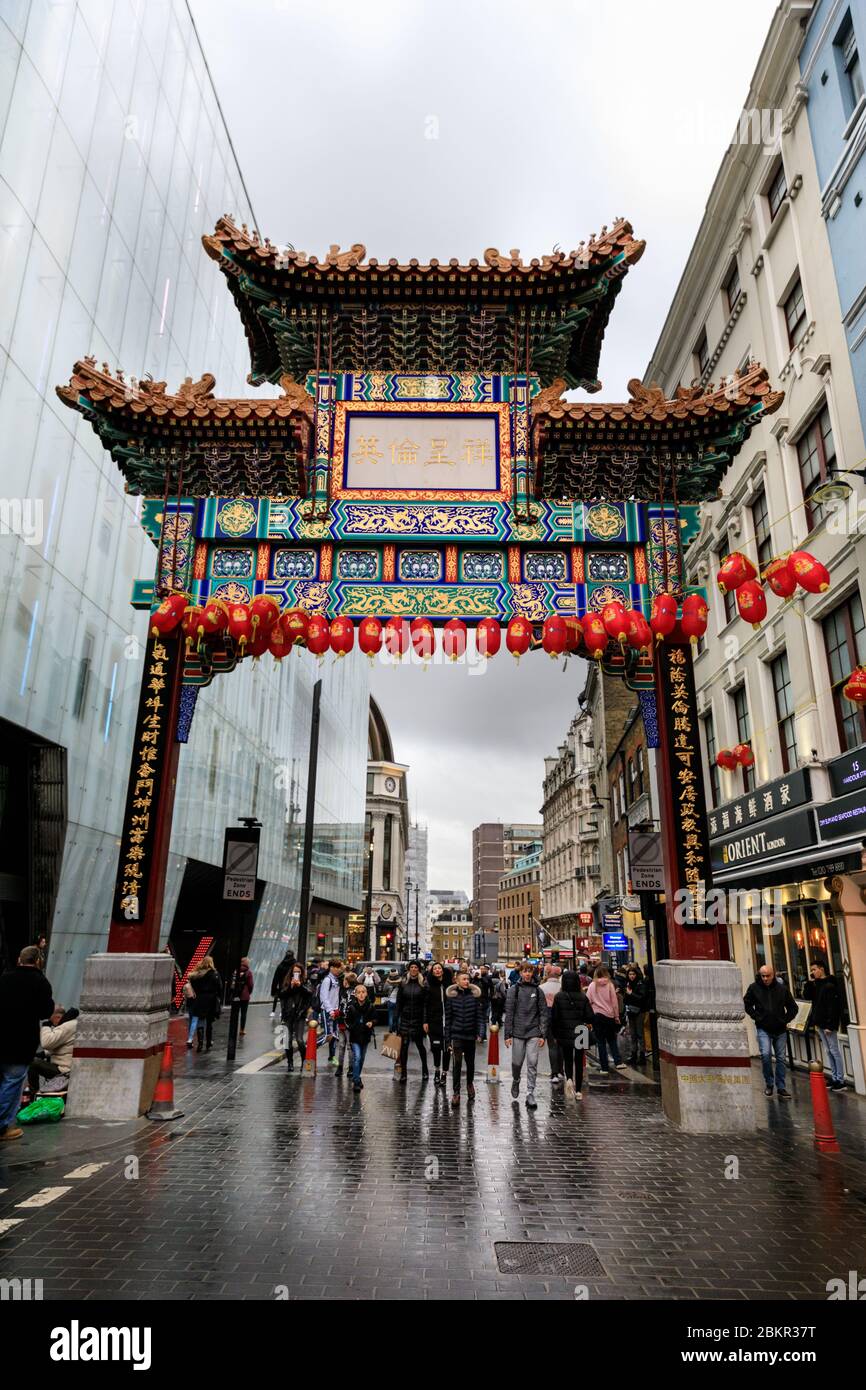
<point>493,1055</point>
<point>312,1043</point>
<point>162,1106</point>
<point>825,1135</point>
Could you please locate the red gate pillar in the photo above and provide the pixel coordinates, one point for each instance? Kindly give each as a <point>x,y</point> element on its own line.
<point>144,841</point>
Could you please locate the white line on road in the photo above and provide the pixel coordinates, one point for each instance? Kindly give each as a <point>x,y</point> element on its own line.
<point>9,1223</point>
<point>86,1170</point>
<point>43,1197</point>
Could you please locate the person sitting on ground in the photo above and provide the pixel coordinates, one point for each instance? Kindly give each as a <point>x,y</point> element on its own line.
<point>56,1044</point>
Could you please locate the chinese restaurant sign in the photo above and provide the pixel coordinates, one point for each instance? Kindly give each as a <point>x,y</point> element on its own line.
<point>769,800</point>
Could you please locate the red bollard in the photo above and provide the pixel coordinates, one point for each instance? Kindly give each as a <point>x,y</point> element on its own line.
<point>493,1055</point>
<point>825,1135</point>
<point>312,1042</point>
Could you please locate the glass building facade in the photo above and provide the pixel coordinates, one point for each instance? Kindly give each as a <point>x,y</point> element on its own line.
<point>114,160</point>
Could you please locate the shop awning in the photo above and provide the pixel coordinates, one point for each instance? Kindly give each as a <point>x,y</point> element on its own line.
<point>774,872</point>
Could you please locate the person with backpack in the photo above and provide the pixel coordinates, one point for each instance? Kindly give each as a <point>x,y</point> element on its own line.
<point>526,1025</point>
<point>570,1012</point>
<point>464,1019</point>
<point>604,1001</point>
<point>826,1017</point>
<point>296,1000</point>
<point>329,1003</point>
<point>770,1004</point>
<point>203,1002</point>
<point>434,1025</point>
<point>359,1030</point>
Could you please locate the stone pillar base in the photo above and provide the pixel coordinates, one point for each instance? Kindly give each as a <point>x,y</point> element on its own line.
<point>121,1033</point>
<point>706,1073</point>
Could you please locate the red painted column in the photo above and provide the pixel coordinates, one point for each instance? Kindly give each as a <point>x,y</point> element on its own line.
<point>683,811</point>
<point>144,843</point>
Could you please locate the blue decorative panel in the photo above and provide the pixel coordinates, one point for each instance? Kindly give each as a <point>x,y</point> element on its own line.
<point>607,566</point>
<point>649,711</point>
<point>358,564</point>
<point>420,566</point>
<point>482,564</point>
<point>295,564</point>
<point>188,697</point>
<point>235,562</point>
<point>550,565</point>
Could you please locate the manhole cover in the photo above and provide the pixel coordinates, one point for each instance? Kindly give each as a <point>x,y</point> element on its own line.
<point>548,1257</point>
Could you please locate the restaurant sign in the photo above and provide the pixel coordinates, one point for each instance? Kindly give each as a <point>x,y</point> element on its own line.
<point>755,846</point>
<point>768,800</point>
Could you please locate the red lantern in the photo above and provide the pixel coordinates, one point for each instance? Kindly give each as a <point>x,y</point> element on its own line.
<point>342,635</point>
<point>370,636</point>
<point>396,635</point>
<point>554,635</point>
<point>615,620</point>
<point>752,602</point>
<point>294,624</point>
<point>727,759</point>
<point>216,617</point>
<point>664,615</point>
<point>278,643</point>
<point>488,636</point>
<point>854,688</point>
<point>594,635</point>
<point>240,624</point>
<point>423,637</point>
<point>454,638</point>
<point>743,754</point>
<point>318,634</point>
<point>258,645</point>
<point>192,623</point>
<point>809,572</point>
<point>639,633</point>
<point>694,616</point>
<point>780,576</point>
<point>736,569</point>
<point>518,636</point>
<point>573,634</point>
<point>264,612</point>
<point>165,618</point>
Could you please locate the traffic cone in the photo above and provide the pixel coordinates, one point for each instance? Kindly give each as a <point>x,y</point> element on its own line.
<point>825,1135</point>
<point>493,1055</point>
<point>312,1043</point>
<point>162,1105</point>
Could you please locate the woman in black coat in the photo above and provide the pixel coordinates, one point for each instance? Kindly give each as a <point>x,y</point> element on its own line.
<point>634,999</point>
<point>437,984</point>
<point>204,1005</point>
<point>571,1010</point>
<point>295,1002</point>
<point>411,1017</point>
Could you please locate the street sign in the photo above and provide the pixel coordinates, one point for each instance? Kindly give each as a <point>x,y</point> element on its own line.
<point>585,920</point>
<point>240,864</point>
<point>612,922</point>
<point>614,941</point>
<point>645,858</point>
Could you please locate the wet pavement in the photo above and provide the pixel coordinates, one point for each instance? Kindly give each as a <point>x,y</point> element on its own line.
<point>275,1186</point>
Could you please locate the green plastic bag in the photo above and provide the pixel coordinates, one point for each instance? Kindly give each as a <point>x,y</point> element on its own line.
<point>42,1108</point>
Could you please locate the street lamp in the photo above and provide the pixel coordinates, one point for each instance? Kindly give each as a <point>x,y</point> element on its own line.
<point>368,906</point>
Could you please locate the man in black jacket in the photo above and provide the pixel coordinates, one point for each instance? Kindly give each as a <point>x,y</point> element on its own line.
<point>825,1018</point>
<point>25,1000</point>
<point>463,1023</point>
<point>771,1004</point>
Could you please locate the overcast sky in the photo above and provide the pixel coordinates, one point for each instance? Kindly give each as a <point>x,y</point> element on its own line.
<point>438,129</point>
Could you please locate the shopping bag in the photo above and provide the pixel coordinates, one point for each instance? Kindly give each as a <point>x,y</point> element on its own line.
<point>42,1108</point>
<point>391,1046</point>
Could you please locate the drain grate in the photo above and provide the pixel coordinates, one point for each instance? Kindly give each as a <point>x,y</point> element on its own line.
<point>548,1257</point>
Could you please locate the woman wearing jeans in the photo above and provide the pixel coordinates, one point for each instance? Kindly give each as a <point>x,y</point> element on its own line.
<point>605,1008</point>
<point>359,1027</point>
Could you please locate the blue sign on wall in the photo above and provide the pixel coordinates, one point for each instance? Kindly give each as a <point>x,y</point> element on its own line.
<point>614,941</point>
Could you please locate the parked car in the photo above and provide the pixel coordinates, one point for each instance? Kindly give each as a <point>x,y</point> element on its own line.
<point>383,969</point>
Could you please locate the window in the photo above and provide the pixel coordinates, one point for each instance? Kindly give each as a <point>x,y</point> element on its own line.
<point>761,523</point>
<point>852,73</point>
<point>712,750</point>
<point>702,352</point>
<point>845,643</point>
<point>777,190</point>
<point>816,452</point>
<point>732,286</point>
<point>794,310</point>
<point>729,599</point>
<point>784,701</point>
<point>386,853</point>
<point>744,731</point>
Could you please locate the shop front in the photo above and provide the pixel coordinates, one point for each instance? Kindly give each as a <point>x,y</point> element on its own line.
<point>790,871</point>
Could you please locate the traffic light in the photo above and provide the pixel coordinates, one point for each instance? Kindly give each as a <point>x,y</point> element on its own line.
<point>527,947</point>
<point>320,940</point>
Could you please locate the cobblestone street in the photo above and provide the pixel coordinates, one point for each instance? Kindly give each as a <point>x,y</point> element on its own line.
<point>274,1185</point>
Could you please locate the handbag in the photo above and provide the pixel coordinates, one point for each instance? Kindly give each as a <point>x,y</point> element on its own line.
<point>391,1044</point>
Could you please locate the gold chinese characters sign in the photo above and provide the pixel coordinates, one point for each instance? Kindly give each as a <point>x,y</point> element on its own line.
<point>687,839</point>
<point>433,451</point>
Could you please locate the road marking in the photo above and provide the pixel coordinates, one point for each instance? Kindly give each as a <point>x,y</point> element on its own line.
<point>267,1059</point>
<point>43,1197</point>
<point>86,1170</point>
<point>9,1223</point>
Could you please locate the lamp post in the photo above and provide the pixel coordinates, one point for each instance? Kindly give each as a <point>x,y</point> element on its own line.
<point>368,905</point>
